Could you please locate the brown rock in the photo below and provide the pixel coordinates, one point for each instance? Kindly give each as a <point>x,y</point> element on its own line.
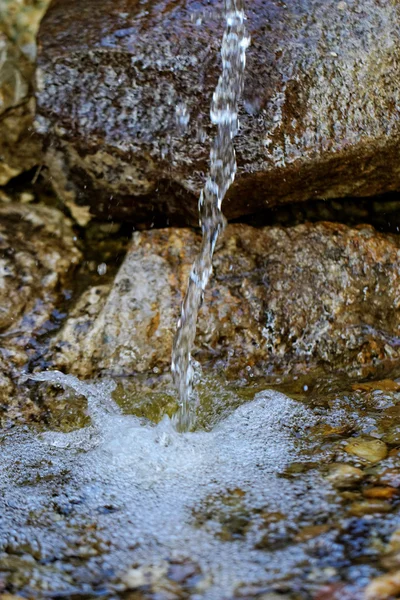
<point>37,257</point>
<point>369,507</point>
<point>19,21</point>
<point>380,492</point>
<point>344,476</point>
<point>20,148</point>
<point>369,449</point>
<point>384,587</point>
<point>300,296</point>
<point>319,116</point>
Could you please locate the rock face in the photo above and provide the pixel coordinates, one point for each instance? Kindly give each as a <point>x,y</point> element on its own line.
<point>302,296</point>
<point>37,257</point>
<point>19,21</point>
<point>20,147</point>
<point>118,81</point>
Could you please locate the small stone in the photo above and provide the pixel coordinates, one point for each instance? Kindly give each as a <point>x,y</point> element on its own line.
<point>369,507</point>
<point>145,575</point>
<point>369,449</point>
<point>343,476</point>
<point>394,542</point>
<point>380,492</point>
<point>384,587</point>
<point>310,532</point>
<point>391,558</point>
<point>102,269</point>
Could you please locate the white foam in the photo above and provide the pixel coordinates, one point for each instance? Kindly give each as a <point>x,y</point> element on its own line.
<point>159,479</point>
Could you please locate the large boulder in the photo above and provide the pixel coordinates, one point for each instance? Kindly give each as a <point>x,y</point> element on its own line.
<point>124,92</point>
<point>297,297</point>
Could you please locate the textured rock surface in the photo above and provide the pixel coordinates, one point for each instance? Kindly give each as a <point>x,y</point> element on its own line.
<point>20,148</point>
<point>314,293</point>
<point>37,256</point>
<point>319,115</point>
<point>19,20</point>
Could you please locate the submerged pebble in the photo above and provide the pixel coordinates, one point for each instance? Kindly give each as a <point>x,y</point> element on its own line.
<point>385,587</point>
<point>369,449</point>
<point>343,475</point>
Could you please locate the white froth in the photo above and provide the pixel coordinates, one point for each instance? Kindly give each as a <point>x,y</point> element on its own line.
<point>159,480</point>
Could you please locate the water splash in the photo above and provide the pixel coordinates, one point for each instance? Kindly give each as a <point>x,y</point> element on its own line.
<point>224,114</point>
<point>111,501</point>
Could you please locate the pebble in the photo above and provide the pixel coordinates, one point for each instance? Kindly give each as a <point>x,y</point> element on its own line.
<point>391,558</point>
<point>310,532</point>
<point>394,542</point>
<point>380,492</point>
<point>384,587</point>
<point>342,476</point>
<point>369,449</point>
<point>136,578</point>
<point>369,507</point>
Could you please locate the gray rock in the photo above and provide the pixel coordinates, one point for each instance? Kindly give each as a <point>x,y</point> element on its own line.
<point>319,117</point>
<point>281,298</point>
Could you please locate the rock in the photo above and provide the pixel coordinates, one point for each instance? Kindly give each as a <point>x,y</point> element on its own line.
<point>280,297</point>
<point>319,116</point>
<point>384,587</point>
<point>370,449</point>
<point>380,492</point>
<point>344,476</point>
<point>369,507</point>
<point>37,257</point>
<point>19,21</point>
<point>20,148</point>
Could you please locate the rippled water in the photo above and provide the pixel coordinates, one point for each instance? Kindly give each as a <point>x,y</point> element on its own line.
<point>224,114</point>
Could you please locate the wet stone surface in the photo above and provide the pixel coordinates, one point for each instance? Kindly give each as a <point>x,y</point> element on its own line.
<point>38,255</point>
<point>19,146</point>
<point>280,299</point>
<point>124,94</point>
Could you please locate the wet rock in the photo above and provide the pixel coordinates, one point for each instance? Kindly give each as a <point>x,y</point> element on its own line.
<point>369,507</point>
<point>344,476</point>
<point>297,297</point>
<point>20,148</point>
<point>124,94</point>
<point>37,256</point>
<point>384,587</point>
<point>382,493</point>
<point>372,450</point>
<point>19,20</point>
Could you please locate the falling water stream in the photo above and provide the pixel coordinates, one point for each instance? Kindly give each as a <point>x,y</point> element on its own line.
<point>224,114</point>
